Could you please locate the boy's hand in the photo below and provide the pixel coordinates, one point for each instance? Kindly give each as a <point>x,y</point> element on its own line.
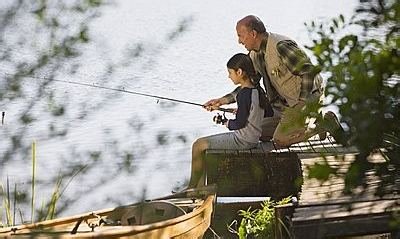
<point>226,123</point>
<point>213,104</point>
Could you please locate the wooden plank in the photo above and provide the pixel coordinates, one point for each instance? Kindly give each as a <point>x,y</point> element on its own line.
<point>216,151</point>
<point>282,220</point>
<point>373,224</point>
<point>324,211</point>
<point>312,148</point>
<point>257,150</point>
<point>342,211</point>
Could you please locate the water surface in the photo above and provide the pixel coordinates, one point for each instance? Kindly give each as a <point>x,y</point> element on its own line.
<point>188,66</point>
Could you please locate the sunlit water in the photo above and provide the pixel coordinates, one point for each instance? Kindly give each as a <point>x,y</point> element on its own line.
<point>190,67</point>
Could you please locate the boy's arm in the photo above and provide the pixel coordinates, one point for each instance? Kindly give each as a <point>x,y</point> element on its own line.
<point>243,111</point>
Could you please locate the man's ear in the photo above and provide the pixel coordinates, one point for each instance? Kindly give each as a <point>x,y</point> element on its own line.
<point>254,33</point>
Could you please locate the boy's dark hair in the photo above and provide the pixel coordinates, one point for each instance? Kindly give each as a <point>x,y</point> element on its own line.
<point>243,61</point>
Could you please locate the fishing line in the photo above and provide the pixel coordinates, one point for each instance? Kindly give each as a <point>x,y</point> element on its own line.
<point>126,91</point>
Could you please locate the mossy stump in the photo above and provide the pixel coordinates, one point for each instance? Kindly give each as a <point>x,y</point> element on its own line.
<point>254,173</point>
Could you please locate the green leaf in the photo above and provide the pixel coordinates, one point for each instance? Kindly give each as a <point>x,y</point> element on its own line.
<point>347,41</point>
<point>40,12</point>
<point>335,22</point>
<point>94,3</point>
<point>321,171</point>
<point>83,35</point>
<point>341,17</point>
<point>26,119</point>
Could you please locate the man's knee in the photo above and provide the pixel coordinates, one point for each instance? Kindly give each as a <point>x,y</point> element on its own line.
<point>281,141</point>
<point>268,128</point>
<point>285,140</point>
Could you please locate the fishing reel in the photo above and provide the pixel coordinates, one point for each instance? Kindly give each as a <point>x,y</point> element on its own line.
<point>220,119</point>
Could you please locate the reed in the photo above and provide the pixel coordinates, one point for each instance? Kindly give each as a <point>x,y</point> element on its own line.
<point>47,210</point>
<point>6,207</point>
<point>15,203</point>
<point>33,180</point>
<point>56,195</point>
<point>51,206</point>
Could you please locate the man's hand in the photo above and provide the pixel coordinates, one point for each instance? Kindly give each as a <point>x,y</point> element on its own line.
<point>213,104</point>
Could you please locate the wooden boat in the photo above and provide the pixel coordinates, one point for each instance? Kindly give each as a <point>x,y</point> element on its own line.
<point>182,215</point>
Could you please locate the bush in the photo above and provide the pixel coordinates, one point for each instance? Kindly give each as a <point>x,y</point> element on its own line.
<point>259,223</point>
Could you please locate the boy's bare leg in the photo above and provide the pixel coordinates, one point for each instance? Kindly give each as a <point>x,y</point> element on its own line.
<point>197,176</point>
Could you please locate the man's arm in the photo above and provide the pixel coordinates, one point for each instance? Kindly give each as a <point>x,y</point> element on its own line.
<point>229,98</point>
<point>299,64</point>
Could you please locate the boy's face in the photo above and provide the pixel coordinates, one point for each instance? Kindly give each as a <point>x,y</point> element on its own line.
<point>235,75</point>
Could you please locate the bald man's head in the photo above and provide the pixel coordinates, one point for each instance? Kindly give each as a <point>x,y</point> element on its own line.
<point>250,31</point>
<point>252,23</point>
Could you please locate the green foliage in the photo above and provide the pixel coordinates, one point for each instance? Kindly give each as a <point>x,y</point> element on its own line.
<point>363,81</point>
<point>37,40</point>
<point>321,171</point>
<point>259,223</point>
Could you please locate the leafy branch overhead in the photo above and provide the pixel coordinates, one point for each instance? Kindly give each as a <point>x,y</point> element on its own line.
<point>43,42</point>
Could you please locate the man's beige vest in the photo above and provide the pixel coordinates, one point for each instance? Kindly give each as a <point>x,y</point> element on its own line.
<point>281,81</point>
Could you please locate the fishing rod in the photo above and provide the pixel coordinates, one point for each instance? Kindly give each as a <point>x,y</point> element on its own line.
<point>141,94</point>
<point>133,92</point>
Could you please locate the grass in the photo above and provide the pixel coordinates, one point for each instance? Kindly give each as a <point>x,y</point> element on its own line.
<point>6,206</point>
<point>50,213</point>
<point>47,210</point>
<point>33,180</point>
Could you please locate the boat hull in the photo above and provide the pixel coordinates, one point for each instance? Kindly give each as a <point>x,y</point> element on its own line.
<point>110,223</point>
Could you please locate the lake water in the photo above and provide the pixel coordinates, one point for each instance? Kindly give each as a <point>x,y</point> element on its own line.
<point>158,134</point>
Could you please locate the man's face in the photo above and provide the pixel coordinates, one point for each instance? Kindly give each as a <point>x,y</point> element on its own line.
<point>246,36</point>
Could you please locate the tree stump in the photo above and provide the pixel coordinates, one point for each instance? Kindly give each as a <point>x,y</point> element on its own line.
<point>254,173</point>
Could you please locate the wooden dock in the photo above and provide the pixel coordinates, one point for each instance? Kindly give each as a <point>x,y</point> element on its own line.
<point>322,211</point>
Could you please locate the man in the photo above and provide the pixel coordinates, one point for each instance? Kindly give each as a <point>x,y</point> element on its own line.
<point>288,78</point>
